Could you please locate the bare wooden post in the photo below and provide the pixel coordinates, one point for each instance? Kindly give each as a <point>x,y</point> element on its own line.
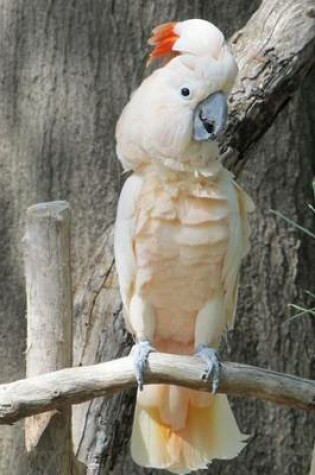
<point>49,323</point>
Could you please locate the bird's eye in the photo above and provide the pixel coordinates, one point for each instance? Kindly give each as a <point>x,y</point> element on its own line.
<point>185,91</point>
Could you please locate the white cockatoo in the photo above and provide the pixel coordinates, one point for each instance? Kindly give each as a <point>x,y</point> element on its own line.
<point>181,232</point>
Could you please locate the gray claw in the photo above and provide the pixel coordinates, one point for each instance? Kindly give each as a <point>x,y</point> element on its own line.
<point>213,361</point>
<point>141,351</point>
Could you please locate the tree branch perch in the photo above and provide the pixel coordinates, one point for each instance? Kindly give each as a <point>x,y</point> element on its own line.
<point>74,385</point>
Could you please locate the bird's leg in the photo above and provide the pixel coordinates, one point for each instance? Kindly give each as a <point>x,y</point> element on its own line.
<point>212,359</point>
<point>142,320</point>
<point>140,352</point>
<point>210,324</point>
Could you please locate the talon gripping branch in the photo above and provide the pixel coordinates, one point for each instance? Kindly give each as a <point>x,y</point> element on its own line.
<point>181,232</point>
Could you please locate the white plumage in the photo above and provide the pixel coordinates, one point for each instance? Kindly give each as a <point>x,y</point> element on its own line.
<point>198,37</point>
<point>181,232</point>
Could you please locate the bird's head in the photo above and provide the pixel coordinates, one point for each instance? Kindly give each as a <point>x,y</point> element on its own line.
<point>181,108</point>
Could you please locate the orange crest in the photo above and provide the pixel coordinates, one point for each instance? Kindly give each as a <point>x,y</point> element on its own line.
<point>163,39</point>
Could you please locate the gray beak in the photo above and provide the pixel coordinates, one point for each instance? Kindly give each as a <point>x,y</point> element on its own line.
<point>210,117</point>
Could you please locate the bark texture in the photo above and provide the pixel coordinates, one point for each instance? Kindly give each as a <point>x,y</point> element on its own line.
<point>66,70</point>
<point>277,272</point>
<point>275,50</point>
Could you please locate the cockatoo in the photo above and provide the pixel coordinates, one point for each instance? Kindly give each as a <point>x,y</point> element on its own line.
<point>180,234</point>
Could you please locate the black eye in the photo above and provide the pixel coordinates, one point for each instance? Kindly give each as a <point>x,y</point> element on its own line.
<point>185,92</point>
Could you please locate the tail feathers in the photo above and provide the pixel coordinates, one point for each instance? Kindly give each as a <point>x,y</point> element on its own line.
<point>210,432</point>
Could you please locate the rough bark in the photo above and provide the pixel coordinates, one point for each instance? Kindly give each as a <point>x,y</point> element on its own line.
<point>60,98</point>
<point>274,51</point>
<point>100,335</point>
<point>276,273</point>
<point>49,327</point>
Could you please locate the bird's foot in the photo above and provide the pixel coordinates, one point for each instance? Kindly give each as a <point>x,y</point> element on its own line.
<point>212,359</point>
<point>140,352</point>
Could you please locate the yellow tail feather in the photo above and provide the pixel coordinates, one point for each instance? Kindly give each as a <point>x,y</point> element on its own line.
<point>209,432</point>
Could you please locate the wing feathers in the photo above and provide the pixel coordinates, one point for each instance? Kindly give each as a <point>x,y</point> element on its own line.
<point>124,230</point>
<point>238,248</point>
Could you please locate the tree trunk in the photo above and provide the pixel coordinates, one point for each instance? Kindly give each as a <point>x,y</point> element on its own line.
<point>66,70</point>
<point>279,260</point>
<point>278,175</point>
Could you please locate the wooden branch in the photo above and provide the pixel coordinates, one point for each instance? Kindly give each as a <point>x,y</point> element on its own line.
<point>49,322</point>
<point>74,385</point>
<point>275,51</point>
<point>312,469</point>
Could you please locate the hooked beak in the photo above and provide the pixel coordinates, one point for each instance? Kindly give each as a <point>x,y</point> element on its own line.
<point>210,117</point>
